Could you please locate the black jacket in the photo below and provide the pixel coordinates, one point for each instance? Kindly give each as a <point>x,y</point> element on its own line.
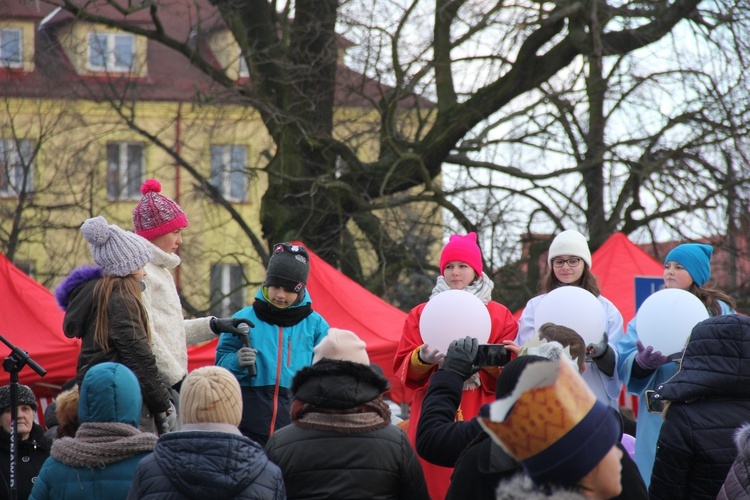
<point>31,454</point>
<point>333,459</point>
<point>204,464</point>
<point>440,439</point>
<point>128,343</point>
<point>710,398</point>
<point>737,484</point>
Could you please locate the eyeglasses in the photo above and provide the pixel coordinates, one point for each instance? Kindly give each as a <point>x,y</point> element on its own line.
<point>572,262</point>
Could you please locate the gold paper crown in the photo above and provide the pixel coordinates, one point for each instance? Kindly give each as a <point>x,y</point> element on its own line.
<point>550,398</point>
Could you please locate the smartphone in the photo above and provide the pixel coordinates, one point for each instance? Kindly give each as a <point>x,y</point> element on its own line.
<point>653,405</point>
<point>492,355</point>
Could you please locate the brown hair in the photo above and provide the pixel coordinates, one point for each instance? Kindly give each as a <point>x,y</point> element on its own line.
<point>711,297</point>
<point>587,281</point>
<point>567,337</point>
<point>129,291</point>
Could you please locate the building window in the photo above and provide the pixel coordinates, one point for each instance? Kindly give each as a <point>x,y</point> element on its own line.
<point>227,289</point>
<point>11,53</point>
<point>125,166</point>
<point>244,72</point>
<point>111,52</point>
<point>228,171</point>
<point>16,167</point>
<point>27,266</point>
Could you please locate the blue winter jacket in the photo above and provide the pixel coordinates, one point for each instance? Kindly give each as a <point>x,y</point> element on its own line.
<point>207,465</point>
<point>281,350</point>
<point>110,393</point>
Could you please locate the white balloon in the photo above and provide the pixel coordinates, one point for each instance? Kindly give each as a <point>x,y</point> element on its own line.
<point>666,318</point>
<point>576,308</point>
<point>452,315</point>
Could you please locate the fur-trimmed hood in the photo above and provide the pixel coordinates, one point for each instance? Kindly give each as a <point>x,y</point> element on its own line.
<point>337,384</point>
<point>521,487</point>
<point>76,278</point>
<point>742,440</point>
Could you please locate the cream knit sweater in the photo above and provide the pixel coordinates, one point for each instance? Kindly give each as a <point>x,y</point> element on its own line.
<point>170,332</point>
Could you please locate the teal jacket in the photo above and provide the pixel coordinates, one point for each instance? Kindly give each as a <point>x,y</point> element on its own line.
<point>110,393</point>
<point>281,350</point>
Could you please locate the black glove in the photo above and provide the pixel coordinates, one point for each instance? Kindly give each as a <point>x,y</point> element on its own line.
<point>229,325</point>
<point>460,357</point>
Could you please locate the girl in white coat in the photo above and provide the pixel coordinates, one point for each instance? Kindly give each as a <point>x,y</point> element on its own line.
<point>569,264</point>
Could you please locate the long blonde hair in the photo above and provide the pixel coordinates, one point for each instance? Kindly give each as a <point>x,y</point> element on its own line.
<point>129,291</point>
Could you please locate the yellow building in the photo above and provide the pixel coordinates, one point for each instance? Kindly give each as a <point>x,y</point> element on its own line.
<point>79,103</point>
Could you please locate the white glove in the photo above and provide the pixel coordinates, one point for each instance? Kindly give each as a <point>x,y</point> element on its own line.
<point>246,356</point>
<point>430,356</point>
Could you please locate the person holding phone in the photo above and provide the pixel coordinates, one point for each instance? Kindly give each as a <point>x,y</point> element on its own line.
<point>641,368</point>
<point>416,361</point>
<point>569,264</point>
<point>709,398</point>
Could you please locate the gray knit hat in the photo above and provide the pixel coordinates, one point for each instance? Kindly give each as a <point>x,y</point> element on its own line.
<point>289,267</point>
<point>117,251</point>
<point>25,397</point>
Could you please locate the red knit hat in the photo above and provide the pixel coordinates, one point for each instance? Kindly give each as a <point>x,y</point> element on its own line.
<point>463,249</point>
<point>156,215</point>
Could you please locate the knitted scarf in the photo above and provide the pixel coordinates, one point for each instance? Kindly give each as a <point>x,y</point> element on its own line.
<point>98,444</point>
<point>481,287</point>
<point>272,315</point>
<point>366,417</point>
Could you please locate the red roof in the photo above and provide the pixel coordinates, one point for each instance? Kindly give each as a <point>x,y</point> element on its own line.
<point>170,77</point>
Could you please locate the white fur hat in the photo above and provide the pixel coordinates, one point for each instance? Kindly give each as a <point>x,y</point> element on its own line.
<point>569,242</point>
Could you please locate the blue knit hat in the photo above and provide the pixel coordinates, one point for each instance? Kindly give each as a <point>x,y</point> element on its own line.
<point>118,252</point>
<point>696,258</point>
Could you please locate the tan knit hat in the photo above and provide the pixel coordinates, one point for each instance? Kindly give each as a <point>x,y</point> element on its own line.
<point>342,345</point>
<point>211,394</point>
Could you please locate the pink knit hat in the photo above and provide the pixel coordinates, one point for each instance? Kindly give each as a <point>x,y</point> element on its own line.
<point>462,249</point>
<point>156,215</point>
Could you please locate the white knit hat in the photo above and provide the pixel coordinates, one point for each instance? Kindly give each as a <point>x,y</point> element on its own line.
<point>341,345</point>
<point>569,242</point>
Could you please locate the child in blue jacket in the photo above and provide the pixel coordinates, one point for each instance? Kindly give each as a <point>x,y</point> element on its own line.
<point>285,333</point>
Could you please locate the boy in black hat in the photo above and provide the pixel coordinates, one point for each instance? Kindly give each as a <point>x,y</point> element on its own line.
<point>32,447</point>
<point>285,333</point>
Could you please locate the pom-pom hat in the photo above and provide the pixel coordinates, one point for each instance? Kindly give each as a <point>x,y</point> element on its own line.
<point>118,252</point>
<point>156,215</point>
<point>552,424</point>
<point>569,242</point>
<point>463,249</point>
<point>695,258</point>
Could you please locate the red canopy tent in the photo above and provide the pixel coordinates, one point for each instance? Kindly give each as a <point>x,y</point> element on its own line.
<point>347,305</point>
<point>31,320</point>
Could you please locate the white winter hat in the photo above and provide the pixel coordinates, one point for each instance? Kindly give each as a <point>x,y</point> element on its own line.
<point>569,242</point>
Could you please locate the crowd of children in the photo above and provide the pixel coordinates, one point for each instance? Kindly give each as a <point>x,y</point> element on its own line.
<point>296,409</point>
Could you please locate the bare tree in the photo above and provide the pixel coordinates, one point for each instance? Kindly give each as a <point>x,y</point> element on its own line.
<point>529,100</point>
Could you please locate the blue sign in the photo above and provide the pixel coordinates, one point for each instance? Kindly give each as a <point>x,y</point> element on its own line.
<point>645,286</point>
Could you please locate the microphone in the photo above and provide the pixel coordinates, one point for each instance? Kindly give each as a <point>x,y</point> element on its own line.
<point>245,338</point>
